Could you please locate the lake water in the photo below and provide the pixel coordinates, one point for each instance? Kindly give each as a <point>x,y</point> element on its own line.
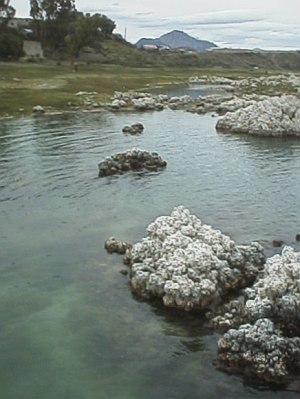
<point>70,327</point>
<point>194,90</point>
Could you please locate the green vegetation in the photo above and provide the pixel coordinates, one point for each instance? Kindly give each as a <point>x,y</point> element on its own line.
<point>11,42</point>
<point>6,12</point>
<point>61,29</point>
<point>24,85</point>
<point>263,89</point>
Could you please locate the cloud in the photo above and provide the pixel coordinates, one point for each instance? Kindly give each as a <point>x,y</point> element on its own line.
<point>233,28</point>
<point>211,18</point>
<point>263,34</point>
<point>114,9</point>
<point>144,13</point>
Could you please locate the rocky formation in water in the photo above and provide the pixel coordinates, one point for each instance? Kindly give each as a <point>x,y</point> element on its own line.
<point>38,109</point>
<point>273,84</point>
<point>135,101</point>
<point>233,99</point>
<point>136,128</point>
<point>190,265</point>
<point>269,347</point>
<point>134,159</point>
<point>276,293</point>
<point>219,103</point>
<point>112,245</point>
<point>260,350</point>
<point>275,116</point>
<point>229,315</point>
<point>139,101</point>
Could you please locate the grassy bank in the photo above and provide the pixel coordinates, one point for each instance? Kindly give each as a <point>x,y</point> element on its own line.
<point>24,85</point>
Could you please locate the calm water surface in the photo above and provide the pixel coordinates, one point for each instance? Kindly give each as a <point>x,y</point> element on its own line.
<point>194,90</point>
<point>70,327</point>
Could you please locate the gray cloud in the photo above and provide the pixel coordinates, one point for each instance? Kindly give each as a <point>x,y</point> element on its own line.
<point>144,13</point>
<point>213,18</point>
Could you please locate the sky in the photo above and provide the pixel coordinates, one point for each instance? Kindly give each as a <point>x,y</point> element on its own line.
<point>265,24</point>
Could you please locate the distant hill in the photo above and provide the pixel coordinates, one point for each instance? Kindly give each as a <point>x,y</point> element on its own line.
<point>177,39</point>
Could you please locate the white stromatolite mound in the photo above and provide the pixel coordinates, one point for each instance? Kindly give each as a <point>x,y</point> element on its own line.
<point>275,116</point>
<point>276,294</point>
<point>188,264</point>
<point>260,350</point>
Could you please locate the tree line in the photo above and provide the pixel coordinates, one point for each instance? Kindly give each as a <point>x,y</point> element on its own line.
<point>56,24</point>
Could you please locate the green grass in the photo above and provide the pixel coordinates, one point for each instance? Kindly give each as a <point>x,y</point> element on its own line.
<point>24,85</point>
<point>262,89</point>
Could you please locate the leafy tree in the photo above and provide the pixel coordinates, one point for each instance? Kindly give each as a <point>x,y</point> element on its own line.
<point>11,44</point>
<point>51,19</point>
<point>51,9</point>
<point>105,24</point>
<point>58,25</point>
<point>7,12</point>
<point>85,30</point>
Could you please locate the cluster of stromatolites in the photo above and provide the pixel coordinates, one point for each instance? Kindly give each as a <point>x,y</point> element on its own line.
<point>260,350</point>
<point>190,265</point>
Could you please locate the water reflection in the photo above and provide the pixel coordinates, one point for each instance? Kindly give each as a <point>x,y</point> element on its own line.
<point>266,145</point>
<point>180,323</point>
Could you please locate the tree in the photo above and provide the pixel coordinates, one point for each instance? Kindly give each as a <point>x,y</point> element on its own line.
<point>7,12</point>
<point>81,33</point>
<point>11,44</point>
<point>51,19</point>
<point>58,25</point>
<point>103,23</point>
<point>51,9</point>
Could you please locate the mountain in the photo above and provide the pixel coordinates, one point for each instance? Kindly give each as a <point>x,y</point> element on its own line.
<point>177,39</point>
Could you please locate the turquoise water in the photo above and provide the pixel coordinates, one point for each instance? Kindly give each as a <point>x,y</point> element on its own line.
<point>70,327</point>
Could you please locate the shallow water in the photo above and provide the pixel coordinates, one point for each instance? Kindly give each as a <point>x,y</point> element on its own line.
<point>193,90</point>
<point>70,327</point>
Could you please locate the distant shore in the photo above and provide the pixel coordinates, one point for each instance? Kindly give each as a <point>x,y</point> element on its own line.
<point>53,86</point>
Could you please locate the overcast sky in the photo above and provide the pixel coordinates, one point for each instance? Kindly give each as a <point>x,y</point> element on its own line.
<point>268,24</point>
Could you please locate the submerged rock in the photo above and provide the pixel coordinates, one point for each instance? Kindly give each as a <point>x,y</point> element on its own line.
<point>115,246</point>
<point>274,116</point>
<point>190,265</point>
<point>134,159</point>
<point>277,243</point>
<point>260,350</point>
<point>136,128</point>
